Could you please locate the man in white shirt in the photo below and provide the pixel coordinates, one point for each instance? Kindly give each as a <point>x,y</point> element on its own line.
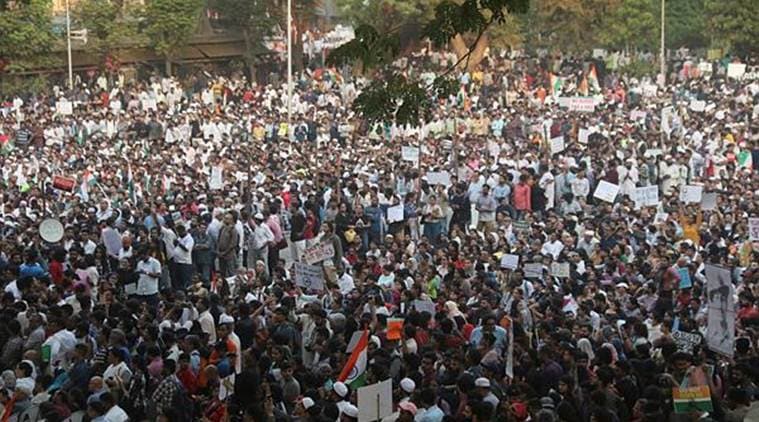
<point>205,319</point>
<point>60,345</point>
<point>149,271</point>
<point>182,256</point>
<point>262,238</point>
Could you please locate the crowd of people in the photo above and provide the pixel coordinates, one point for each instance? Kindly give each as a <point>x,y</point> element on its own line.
<point>216,263</point>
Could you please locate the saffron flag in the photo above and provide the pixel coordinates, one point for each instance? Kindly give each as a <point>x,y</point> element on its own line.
<point>693,399</point>
<point>354,370</point>
<point>593,78</point>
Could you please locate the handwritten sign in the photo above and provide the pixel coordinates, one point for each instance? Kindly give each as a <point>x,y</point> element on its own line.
<point>686,342</point>
<point>698,105</point>
<point>691,194</point>
<point>533,270</point>
<point>510,261</point>
<point>309,277</point>
<point>439,178</point>
<point>318,253</point>
<point>557,144</point>
<point>149,104</point>
<point>606,191</point>
<point>582,104</point>
<point>560,269</point>
<point>65,107</point>
<point>647,196</point>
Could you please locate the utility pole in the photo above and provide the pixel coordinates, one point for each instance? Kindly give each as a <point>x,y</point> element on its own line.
<point>289,67</point>
<point>662,62</point>
<point>68,43</point>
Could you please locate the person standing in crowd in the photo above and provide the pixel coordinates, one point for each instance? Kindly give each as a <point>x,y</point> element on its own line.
<point>227,246</point>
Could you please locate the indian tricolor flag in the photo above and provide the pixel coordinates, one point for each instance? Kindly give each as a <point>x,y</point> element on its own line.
<point>354,370</point>
<point>88,179</point>
<point>593,78</point>
<point>556,84</point>
<point>692,399</point>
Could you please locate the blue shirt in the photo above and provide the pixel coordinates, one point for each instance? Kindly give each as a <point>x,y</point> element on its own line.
<point>498,331</point>
<point>31,270</point>
<point>433,414</point>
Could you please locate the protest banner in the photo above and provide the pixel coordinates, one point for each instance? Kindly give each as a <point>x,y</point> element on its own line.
<point>647,196</point>
<point>582,104</point>
<point>557,145</point>
<point>720,328</point>
<point>520,226</point>
<point>439,178</point>
<point>686,342</point>
<point>318,253</point>
<point>309,277</point>
<point>395,214</point>
<point>606,191</point>
<point>692,399</point>
<point>560,269</point>
<point>709,201</point>
<point>736,70</point>
<point>375,401</point>
<point>691,194</point>
<point>64,183</point>
<point>217,181</point>
<point>510,261</point>
<point>410,154</point>
<point>753,229</point>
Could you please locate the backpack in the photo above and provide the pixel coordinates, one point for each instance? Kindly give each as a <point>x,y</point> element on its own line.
<point>182,404</point>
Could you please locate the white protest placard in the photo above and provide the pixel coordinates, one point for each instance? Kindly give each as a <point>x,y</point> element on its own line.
<point>691,194</point>
<point>653,152</point>
<point>112,241</point>
<point>216,182</point>
<point>686,342</point>
<point>638,115</point>
<point>510,261</point>
<point>149,104</point>
<point>709,201</point>
<point>533,270</point>
<point>599,53</point>
<point>410,154</point>
<point>697,105</point>
<point>375,401</point>
<point>736,70</point>
<point>582,104</point>
<point>560,269</point>
<point>318,253</point>
<point>395,214</point>
<point>647,196</point>
<point>425,306</point>
<point>720,325</point>
<point>557,144</point>
<point>580,188</point>
<point>606,191</point>
<point>65,107</point>
<point>649,90</point>
<point>661,217</point>
<point>439,178</point>
<point>582,136</point>
<point>753,229</point>
<point>309,277</point>
<point>705,67</point>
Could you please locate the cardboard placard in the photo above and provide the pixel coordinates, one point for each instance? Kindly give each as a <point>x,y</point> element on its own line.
<point>736,70</point>
<point>647,196</point>
<point>439,178</point>
<point>557,145</point>
<point>395,214</point>
<point>375,401</point>
<point>691,194</point>
<point>410,154</point>
<point>533,270</point>
<point>606,191</point>
<point>510,261</point>
<point>309,277</point>
<point>753,229</point>
<point>318,253</point>
<point>560,269</point>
